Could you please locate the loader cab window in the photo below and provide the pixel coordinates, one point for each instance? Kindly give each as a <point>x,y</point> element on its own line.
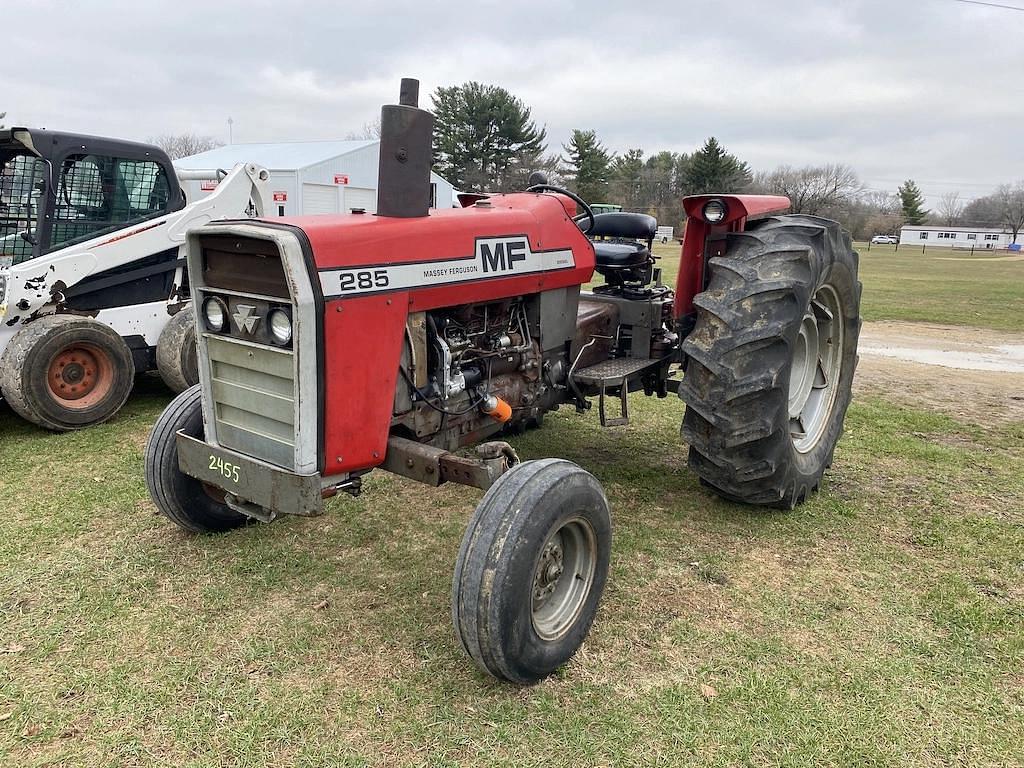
<point>98,194</point>
<point>22,183</point>
<point>146,184</point>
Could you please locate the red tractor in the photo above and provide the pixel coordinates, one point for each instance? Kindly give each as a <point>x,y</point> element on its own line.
<point>333,345</point>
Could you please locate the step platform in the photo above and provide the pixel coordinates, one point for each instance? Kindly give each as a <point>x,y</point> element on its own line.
<point>610,375</point>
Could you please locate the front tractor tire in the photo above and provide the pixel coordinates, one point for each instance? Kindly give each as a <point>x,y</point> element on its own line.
<point>531,570</point>
<point>66,372</point>
<point>770,361</point>
<point>196,507</point>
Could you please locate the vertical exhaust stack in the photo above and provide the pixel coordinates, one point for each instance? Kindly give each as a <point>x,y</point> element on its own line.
<point>403,183</point>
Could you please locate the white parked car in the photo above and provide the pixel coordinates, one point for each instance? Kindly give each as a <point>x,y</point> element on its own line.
<point>885,240</point>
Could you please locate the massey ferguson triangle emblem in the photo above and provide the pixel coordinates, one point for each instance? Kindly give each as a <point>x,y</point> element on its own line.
<point>245,319</point>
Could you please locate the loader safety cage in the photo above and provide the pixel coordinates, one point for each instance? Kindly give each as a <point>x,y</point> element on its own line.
<point>58,189</point>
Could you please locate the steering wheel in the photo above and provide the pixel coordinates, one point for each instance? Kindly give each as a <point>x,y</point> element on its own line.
<point>588,212</point>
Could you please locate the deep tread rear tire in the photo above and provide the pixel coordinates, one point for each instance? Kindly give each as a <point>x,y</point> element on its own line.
<point>740,354</point>
<point>493,586</point>
<point>26,363</point>
<point>181,498</point>
<point>176,358</point>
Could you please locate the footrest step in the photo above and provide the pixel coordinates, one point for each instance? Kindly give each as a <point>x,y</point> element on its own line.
<point>612,373</point>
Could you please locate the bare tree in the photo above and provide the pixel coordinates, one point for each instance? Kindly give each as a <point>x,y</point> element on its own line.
<point>812,189</point>
<point>983,212</point>
<point>370,130</point>
<point>1011,205</point>
<point>950,209</point>
<point>882,203</point>
<point>185,144</point>
<point>2,116</point>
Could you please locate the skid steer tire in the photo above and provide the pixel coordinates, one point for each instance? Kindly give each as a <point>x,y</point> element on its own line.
<point>66,372</point>
<point>531,569</point>
<point>182,499</point>
<point>770,361</point>
<point>176,359</point>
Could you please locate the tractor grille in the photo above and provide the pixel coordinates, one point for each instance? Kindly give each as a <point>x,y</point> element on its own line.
<point>253,391</point>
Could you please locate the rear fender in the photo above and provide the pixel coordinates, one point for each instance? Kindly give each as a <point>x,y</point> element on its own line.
<point>702,240</point>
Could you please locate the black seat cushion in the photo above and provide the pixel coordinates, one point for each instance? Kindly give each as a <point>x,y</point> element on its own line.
<point>630,226</point>
<point>620,255</point>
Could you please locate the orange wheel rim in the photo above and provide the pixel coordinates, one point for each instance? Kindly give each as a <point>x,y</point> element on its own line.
<point>80,376</point>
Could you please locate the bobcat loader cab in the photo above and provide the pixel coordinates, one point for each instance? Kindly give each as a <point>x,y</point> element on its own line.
<point>93,285</point>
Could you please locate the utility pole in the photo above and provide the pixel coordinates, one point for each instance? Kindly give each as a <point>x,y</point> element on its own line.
<point>231,136</point>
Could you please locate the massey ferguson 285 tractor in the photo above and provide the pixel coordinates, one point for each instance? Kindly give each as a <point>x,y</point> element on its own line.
<point>93,286</point>
<point>333,345</point>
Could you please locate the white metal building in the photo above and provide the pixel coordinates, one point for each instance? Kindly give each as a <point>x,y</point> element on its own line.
<point>979,238</point>
<point>309,177</point>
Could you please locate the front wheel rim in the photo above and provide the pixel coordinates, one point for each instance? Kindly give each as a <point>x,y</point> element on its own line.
<point>816,369</point>
<point>563,578</point>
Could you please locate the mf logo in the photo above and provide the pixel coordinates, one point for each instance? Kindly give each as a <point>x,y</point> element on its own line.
<point>500,254</point>
<point>246,318</point>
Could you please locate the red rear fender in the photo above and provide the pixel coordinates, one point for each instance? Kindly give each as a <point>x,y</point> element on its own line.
<point>739,206</point>
<point>699,241</point>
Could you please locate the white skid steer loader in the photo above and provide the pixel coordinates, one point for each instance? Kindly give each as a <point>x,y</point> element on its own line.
<point>93,286</point>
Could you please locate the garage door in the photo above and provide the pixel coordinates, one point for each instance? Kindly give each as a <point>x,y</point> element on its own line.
<point>359,197</point>
<point>319,198</point>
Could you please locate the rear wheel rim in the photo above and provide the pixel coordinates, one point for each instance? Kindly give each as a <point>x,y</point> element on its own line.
<point>563,578</point>
<point>816,369</point>
<point>80,376</point>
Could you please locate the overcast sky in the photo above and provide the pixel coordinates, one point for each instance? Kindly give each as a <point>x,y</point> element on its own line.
<point>923,89</point>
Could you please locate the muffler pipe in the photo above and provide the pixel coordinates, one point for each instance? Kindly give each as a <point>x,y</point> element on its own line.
<point>403,181</point>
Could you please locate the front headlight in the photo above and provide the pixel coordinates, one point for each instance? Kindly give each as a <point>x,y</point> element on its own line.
<point>714,211</point>
<point>280,326</point>
<point>215,313</point>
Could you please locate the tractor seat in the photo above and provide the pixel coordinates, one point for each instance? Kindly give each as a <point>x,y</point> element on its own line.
<point>629,226</point>
<point>620,255</point>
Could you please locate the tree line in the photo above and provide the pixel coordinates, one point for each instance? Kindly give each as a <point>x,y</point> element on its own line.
<point>485,139</point>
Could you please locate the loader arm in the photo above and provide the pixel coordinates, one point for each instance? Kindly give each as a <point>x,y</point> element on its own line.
<point>140,251</point>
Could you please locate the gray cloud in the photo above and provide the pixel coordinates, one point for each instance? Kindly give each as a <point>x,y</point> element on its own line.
<point>927,89</point>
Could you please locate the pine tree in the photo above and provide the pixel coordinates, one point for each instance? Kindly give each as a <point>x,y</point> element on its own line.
<point>2,116</point>
<point>713,169</point>
<point>484,138</point>
<point>626,179</point>
<point>912,202</point>
<point>589,165</point>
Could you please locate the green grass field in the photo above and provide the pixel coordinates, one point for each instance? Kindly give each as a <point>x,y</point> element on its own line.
<point>943,286</point>
<point>940,286</point>
<point>882,624</point>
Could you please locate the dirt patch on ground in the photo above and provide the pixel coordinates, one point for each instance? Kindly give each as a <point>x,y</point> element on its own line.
<point>968,373</point>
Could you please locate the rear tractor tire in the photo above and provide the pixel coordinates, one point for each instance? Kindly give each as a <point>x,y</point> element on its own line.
<point>770,361</point>
<point>176,358</point>
<point>531,570</point>
<point>184,500</point>
<point>66,372</point>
